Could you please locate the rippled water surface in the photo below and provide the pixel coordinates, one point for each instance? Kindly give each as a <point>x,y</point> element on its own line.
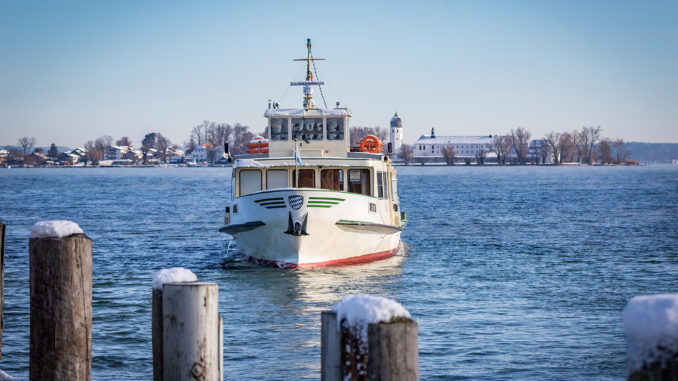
<point>511,273</point>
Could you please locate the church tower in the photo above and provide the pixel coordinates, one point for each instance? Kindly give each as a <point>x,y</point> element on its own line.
<point>396,137</point>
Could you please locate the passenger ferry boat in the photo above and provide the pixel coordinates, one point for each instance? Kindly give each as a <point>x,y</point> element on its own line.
<point>309,201</point>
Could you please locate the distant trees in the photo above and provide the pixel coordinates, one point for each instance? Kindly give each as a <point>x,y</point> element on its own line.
<point>123,142</point>
<point>162,144</point>
<point>520,141</point>
<point>358,132</point>
<point>448,154</point>
<point>26,145</point>
<point>501,146</point>
<point>588,137</point>
<point>481,155</point>
<point>622,151</point>
<point>53,152</point>
<point>149,142</point>
<point>406,153</point>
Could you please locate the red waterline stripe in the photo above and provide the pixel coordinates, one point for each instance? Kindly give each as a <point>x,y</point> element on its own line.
<point>333,263</point>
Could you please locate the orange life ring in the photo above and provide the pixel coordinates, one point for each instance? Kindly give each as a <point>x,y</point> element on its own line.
<point>371,144</point>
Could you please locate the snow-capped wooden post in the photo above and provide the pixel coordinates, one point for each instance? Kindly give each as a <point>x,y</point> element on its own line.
<point>188,337</point>
<point>651,327</point>
<point>371,338</point>
<point>2,281</point>
<point>60,258</point>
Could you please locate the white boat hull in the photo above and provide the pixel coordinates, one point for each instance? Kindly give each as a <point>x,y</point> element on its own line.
<point>329,228</point>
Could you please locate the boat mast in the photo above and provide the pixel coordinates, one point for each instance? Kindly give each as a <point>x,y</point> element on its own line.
<point>308,90</point>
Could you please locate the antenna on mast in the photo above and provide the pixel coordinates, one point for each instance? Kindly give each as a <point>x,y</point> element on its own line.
<point>308,90</point>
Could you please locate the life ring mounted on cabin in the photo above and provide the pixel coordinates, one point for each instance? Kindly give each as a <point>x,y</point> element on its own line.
<point>371,144</point>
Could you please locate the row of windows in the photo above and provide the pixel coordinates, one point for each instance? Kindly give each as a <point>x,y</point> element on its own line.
<point>357,181</point>
<point>307,128</point>
<point>250,180</point>
<point>422,147</point>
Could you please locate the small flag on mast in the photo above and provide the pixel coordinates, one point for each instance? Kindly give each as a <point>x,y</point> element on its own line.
<point>297,155</point>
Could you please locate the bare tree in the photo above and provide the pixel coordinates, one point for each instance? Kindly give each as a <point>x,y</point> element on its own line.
<point>26,145</point>
<point>604,149</point>
<point>622,151</point>
<point>241,137</point>
<point>199,132</point>
<point>448,154</point>
<point>92,154</point>
<point>545,150</point>
<point>124,142</point>
<point>500,145</point>
<point>567,147</point>
<point>481,156</point>
<point>552,140</point>
<point>406,152</point>
<point>520,141</point>
<point>162,143</point>
<point>588,137</point>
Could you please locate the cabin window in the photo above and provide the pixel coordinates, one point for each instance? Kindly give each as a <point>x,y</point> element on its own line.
<point>335,128</point>
<point>332,179</point>
<point>250,181</point>
<point>381,184</point>
<point>306,178</point>
<point>276,178</point>
<point>279,129</point>
<point>359,181</point>
<point>307,128</point>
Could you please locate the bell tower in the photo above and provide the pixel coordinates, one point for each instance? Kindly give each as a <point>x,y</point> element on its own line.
<point>396,137</point>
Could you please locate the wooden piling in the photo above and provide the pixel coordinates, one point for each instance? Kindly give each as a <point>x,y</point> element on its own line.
<point>330,347</point>
<point>2,282</point>
<point>61,308</point>
<point>191,332</point>
<point>391,351</point>
<point>156,335</point>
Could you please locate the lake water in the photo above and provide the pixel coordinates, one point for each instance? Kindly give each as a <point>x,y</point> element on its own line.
<point>511,273</point>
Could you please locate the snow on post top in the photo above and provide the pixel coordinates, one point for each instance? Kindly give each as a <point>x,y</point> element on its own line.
<point>651,327</point>
<point>361,310</point>
<point>54,229</point>
<point>173,275</point>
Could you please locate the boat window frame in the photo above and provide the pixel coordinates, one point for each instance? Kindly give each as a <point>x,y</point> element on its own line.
<point>368,177</point>
<point>287,177</point>
<point>240,182</point>
<point>342,178</point>
<point>294,177</point>
<point>382,187</point>
<point>287,125</point>
<point>342,125</point>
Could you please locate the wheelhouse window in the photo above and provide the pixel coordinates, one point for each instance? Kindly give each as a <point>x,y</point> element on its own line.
<point>381,184</point>
<point>250,181</point>
<point>307,128</point>
<point>276,178</point>
<point>279,129</point>
<point>335,128</point>
<point>359,181</point>
<point>332,179</point>
<point>306,178</point>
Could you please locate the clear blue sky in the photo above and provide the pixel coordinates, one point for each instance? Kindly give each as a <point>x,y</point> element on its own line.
<point>72,71</point>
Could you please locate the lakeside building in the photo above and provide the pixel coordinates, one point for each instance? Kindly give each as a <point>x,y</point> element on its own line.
<point>396,136</point>
<point>429,148</point>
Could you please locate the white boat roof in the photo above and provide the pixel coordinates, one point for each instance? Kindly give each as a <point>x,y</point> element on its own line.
<point>301,112</point>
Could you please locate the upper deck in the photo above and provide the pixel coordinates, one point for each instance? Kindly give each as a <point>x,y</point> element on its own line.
<point>318,132</point>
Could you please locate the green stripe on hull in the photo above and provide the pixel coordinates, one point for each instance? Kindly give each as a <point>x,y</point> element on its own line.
<point>327,198</point>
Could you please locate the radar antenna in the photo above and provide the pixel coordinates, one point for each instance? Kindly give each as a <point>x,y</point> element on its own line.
<point>308,90</point>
